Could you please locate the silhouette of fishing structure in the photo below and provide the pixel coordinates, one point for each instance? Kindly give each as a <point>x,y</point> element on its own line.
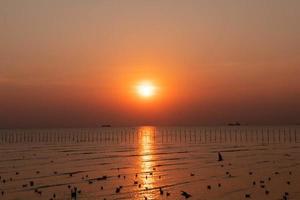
<point>115,135</point>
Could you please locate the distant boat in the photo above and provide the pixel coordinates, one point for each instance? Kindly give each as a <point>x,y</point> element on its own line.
<point>234,124</point>
<point>106,125</point>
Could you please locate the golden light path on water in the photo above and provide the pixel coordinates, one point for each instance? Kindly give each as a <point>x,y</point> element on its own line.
<point>113,163</point>
<point>147,177</point>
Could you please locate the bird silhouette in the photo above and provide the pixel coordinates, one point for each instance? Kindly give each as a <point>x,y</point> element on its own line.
<point>185,194</point>
<point>220,157</point>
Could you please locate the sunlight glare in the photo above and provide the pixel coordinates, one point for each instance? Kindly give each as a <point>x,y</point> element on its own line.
<point>146,89</point>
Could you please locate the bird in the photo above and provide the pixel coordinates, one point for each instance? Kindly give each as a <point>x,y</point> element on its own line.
<point>286,194</point>
<point>161,191</point>
<point>74,193</point>
<point>31,183</point>
<point>185,194</point>
<point>220,158</point>
<point>267,192</point>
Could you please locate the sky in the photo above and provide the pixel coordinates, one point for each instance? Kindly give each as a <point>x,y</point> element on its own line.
<point>73,63</point>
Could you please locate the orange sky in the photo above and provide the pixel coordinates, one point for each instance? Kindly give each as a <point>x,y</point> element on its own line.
<point>74,63</point>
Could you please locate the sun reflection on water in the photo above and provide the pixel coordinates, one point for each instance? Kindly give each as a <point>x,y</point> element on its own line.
<point>147,177</point>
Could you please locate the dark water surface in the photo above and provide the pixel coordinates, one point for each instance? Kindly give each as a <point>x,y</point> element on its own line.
<point>151,162</point>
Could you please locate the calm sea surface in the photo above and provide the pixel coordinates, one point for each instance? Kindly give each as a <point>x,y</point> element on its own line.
<point>151,163</point>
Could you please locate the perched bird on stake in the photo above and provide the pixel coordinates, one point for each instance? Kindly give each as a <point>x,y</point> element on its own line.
<point>220,157</point>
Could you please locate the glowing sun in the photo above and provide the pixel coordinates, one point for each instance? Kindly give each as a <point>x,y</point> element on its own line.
<point>146,89</point>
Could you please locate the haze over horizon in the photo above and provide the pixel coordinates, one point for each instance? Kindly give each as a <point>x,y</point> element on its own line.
<point>72,63</point>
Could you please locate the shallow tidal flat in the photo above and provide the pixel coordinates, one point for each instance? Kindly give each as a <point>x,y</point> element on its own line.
<point>151,163</point>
